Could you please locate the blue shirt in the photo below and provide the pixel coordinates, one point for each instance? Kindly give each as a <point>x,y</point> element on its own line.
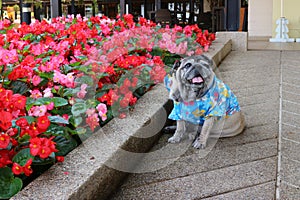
<point>219,101</point>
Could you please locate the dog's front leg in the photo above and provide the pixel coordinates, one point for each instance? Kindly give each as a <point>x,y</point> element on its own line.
<point>200,141</point>
<point>180,129</point>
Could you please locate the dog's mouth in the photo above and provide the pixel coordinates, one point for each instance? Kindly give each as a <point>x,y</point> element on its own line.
<point>193,77</point>
<point>196,80</point>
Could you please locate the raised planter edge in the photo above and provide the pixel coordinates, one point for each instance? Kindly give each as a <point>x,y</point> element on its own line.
<point>84,174</point>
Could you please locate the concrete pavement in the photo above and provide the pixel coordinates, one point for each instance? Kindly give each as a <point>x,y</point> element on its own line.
<point>261,163</point>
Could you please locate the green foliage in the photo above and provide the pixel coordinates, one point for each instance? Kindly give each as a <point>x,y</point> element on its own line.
<point>78,109</point>
<point>64,145</point>
<point>19,87</point>
<point>9,184</point>
<point>22,156</point>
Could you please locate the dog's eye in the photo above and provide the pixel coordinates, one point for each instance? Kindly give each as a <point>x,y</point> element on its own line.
<point>188,65</point>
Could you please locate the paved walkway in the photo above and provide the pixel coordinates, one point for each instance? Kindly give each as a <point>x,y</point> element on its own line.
<point>261,163</point>
<point>262,43</point>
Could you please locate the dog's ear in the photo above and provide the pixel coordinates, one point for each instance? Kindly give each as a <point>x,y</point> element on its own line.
<point>175,66</point>
<point>204,61</point>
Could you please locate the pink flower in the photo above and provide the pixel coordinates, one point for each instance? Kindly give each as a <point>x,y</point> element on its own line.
<point>105,29</point>
<point>47,92</point>
<point>37,49</point>
<point>81,94</point>
<point>35,94</point>
<point>90,111</point>
<point>50,106</point>
<point>50,66</point>
<point>69,80</point>
<point>102,110</point>
<point>58,59</point>
<point>65,116</point>
<point>178,28</point>
<point>72,101</point>
<point>188,31</point>
<point>57,76</point>
<point>36,80</point>
<point>38,111</point>
<point>93,121</point>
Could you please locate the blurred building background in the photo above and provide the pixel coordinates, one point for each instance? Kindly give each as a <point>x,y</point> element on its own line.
<point>214,15</point>
<point>258,17</point>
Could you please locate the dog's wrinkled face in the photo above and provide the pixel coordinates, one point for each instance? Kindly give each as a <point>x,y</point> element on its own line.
<point>191,78</point>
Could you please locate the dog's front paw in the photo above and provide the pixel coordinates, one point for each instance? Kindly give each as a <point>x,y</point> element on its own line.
<point>191,136</point>
<point>174,139</point>
<point>199,145</point>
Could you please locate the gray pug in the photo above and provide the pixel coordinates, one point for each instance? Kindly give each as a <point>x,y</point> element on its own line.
<point>203,105</point>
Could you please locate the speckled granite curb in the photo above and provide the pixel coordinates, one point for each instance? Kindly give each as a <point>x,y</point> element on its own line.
<point>85,173</point>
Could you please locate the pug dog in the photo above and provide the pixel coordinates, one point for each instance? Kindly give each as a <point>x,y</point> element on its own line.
<point>204,106</point>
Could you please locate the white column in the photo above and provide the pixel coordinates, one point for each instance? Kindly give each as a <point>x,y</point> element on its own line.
<point>281,8</point>
<point>282,29</point>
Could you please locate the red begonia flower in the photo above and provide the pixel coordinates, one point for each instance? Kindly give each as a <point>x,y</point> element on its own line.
<point>22,123</point>
<point>27,167</point>
<point>17,169</point>
<point>4,140</point>
<point>4,158</point>
<point>43,123</point>
<point>35,146</point>
<point>5,120</point>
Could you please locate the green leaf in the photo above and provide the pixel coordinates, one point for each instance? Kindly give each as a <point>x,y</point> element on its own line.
<point>22,156</point>
<point>46,59</point>
<point>82,57</point>
<point>78,108</point>
<point>55,130</point>
<point>80,130</point>
<point>68,92</point>
<point>67,68</point>
<point>157,52</point>
<point>8,183</point>
<point>41,161</point>
<point>64,145</point>
<point>26,48</point>
<point>180,40</point>
<point>42,101</point>
<point>46,75</point>
<point>29,100</point>
<point>27,36</point>
<point>61,111</point>
<point>86,79</point>
<point>24,140</point>
<point>76,120</point>
<point>75,64</point>
<point>108,86</point>
<point>43,82</point>
<point>19,87</point>
<point>58,119</point>
<point>58,101</point>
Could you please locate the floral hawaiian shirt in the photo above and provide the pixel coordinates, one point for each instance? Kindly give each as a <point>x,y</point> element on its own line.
<point>218,102</point>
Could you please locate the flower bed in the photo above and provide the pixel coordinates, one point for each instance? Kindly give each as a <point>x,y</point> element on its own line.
<point>61,81</point>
